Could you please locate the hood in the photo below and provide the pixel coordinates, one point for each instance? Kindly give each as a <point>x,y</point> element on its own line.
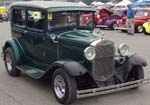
<point>80,37</point>
<point>73,43</point>
<point>140,17</point>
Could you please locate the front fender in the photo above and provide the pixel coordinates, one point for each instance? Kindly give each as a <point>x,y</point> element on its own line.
<point>131,61</point>
<point>139,22</point>
<point>18,52</point>
<point>72,68</point>
<point>137,60</point>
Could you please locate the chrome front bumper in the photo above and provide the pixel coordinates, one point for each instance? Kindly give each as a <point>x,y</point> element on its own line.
<point>112,88</point>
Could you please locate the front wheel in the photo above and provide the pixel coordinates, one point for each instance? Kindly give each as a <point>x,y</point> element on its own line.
<point>136,73</point>
<point>139,29</point>
<point>64,86</point>
<point>114,27</point>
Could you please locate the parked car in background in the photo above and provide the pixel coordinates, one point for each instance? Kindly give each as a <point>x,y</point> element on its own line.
<point>101,13</point>
<point>142,15</point>
<point>146,27</point>
<point>86,19</point>
<point>4,13</point>
<point>58,45</point>
<point>111,22</point>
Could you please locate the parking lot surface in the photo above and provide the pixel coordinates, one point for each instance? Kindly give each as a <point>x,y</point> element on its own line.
<point>24,90</point>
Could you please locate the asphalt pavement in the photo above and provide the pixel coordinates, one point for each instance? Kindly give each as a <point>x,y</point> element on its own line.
<point>24,90</point>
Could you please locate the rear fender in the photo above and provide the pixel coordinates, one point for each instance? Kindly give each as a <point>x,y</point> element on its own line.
<point>17,50</point>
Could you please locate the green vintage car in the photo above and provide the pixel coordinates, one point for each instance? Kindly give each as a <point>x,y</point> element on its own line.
<point>50,39</point>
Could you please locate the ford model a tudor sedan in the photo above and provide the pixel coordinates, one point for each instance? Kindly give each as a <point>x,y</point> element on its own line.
<point>49,39</point>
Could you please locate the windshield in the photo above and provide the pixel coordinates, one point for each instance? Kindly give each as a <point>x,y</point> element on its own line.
<point>142,13</point>
<point>62,19</point>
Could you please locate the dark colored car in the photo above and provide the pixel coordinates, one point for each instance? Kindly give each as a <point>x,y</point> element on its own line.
<point>50,40</point>
<point>111,22</point>
<point>142,15</point>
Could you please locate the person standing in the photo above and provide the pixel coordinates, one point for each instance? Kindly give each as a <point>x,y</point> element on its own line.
<point>130,20</point>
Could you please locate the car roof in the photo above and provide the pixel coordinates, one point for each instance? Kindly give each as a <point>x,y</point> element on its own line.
<point>46,4</point>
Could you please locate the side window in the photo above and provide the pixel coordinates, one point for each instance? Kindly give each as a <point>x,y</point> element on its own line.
<point>35,19</point>
<point>19,17</point>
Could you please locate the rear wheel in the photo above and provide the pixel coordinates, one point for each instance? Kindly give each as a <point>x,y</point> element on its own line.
<point>64,86</point>
<point>10,64</point>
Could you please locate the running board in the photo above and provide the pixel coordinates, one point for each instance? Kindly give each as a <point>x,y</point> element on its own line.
<point>31,71</point>
<point>112,88</point>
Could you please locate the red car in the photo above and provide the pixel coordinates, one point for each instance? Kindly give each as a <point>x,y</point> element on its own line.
<point>142,15</point>
<point>111,22</point>
<point>102,13</point>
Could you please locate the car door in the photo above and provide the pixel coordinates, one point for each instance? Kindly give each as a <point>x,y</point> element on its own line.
<point>40,50</point>
<point>18,24</point>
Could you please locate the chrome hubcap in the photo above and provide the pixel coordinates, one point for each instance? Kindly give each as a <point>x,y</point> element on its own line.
<point>59,86</point>
<point>8,62</point>
<point>140,28</point>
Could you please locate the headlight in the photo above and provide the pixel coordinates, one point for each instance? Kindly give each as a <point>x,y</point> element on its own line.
<point>123,50</point>
<point>90,53</point>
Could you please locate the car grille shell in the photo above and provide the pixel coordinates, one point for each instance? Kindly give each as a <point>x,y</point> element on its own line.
<point>103,64</point>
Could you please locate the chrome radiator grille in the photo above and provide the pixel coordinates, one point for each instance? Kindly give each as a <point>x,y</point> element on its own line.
<point>103,64</point>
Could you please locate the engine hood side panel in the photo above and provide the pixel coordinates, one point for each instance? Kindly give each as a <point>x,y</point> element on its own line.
<point>72,44</point>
